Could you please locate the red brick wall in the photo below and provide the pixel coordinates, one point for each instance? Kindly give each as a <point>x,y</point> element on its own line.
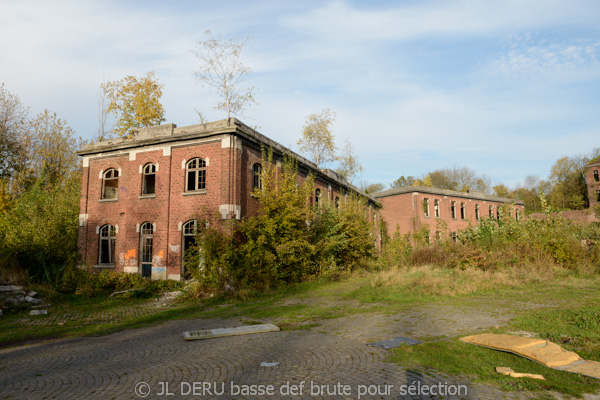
<point>592,185</point>
<point>404,213</point>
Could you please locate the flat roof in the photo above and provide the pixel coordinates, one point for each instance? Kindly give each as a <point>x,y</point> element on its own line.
<point>445,192</point>
<point>167,133</point>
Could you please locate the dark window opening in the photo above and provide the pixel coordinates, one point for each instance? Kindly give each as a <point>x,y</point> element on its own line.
<point>463,211</point>
<point>146,244</point>
<point>337,202</point>
<point>195,175</point>
<point>317,197</point>
<point>491,211</point>
<point>453,210</point>
<point>436,208</point>
<point>110,184</point>
<point>107,245</point>
<point>477,216</point>
<point>257,177</point>
<point>190,230</point>
<point>596,178</point>
<point>149,179</point>
<point>426,207</point>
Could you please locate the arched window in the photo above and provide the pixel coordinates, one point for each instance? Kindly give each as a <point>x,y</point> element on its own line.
<point>106,247</point>
<point>110,184</point>
<point>149,179</point>
<point>146,244</point>
<point>317,197</point>
<point>189,231</point>
<point>195,175</point>
<point>257,176</point>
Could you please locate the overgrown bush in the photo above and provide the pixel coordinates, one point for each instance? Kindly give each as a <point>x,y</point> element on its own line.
<point>289,240</point>
<point>504,244</point>
<point>78,281</point>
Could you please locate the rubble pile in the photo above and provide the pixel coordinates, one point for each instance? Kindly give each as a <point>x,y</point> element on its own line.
<point>15,297</point>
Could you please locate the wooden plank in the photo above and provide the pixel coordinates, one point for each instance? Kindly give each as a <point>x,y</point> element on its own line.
<point>221,332</point>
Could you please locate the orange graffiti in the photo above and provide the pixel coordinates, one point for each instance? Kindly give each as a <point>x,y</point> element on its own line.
<point>160,254</point>
<point>130,254</point>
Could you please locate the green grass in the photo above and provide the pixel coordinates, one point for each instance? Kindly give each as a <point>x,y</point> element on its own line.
<point>571,318</point>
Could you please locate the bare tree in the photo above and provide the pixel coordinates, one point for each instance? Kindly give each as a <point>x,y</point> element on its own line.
<point>106,120</point>
<point>349,166</point>
<point>222,71</point>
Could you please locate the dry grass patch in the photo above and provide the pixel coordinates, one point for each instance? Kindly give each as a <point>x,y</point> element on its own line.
<point>437,281</point>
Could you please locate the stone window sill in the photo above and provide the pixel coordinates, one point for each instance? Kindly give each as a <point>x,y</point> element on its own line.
<point>107,200</point>
<point>147,196</point>
<point>195,192</point>
<point>104,266</point>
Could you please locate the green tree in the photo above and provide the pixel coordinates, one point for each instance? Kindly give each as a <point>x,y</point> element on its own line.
<point>569,190</point>
<point>222,70</point>
<point>317,141</point>
<point>135,102</point>
<point>403,182</point>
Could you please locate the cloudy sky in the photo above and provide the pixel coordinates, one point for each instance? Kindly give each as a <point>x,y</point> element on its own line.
<point>502,86</point>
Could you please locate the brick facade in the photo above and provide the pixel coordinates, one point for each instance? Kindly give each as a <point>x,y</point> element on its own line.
<point>592,178</point>
<point>438,211</point>
<point>229,150</point>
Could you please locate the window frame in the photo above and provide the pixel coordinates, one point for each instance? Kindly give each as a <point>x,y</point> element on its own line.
<point>463,210</point>
<point>453,209</point>
<point>143,243</point>
<point>426,213</point>
<point>317,197</point>
<point>477,212</point>
<point>196,172</point>
<point>257,182</point>
<point>596,176</point>
<point>145,174</point>
<point>115,175</point>
<point>436,208</point>
<point>111,237</point>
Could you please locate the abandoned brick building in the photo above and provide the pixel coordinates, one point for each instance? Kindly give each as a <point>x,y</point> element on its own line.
<point>439,212</point>
<point>142,198</point>
<point>592,179</point>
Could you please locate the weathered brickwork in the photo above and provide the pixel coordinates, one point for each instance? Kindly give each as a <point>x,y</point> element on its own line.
<point>592,178</point>
<point>440,212</point>
<point>229,150</point>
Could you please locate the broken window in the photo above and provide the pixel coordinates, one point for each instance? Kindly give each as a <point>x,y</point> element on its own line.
<point>189,229</point>
<point>463,211</point>
<point>110,184</point>
<point>454,236</point>
<point>453,209</point>
<point>596,178</point>
<point>149,179</point>
<point>195,175</point>
<point>491,211</point>
<point>438,235</point>
<point>426,207</point>
<point>597,195</point>
<point>106,246</point>
<point>337,202</point>
<point>477,216</point>
<point>517,215</point>
<point>436,208</point>
<point>257,177</point>
<point>317,197</point>
<point>146,243</point>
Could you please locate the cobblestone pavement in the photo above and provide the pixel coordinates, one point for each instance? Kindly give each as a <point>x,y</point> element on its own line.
<point>332,360</point>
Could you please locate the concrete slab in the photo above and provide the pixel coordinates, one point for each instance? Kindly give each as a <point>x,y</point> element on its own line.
<point>221,332</point>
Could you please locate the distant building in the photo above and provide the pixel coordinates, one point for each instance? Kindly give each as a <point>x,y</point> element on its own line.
<point>142,198</point>
<point>440,212</point>
<point>592,169</point>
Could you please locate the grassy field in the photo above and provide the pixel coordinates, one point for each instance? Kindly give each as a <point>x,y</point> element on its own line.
<point>565,311</point>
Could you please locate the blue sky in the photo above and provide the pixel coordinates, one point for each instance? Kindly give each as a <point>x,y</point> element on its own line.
<point>505,87</point>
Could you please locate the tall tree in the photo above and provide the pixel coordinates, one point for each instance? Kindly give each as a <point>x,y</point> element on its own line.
<point>460,179</point>
<point>51,149</point>
<point>135,102</point>
<point>317,141</point>
<point>13,129</point>
<point>221,70</point>
<point>106,121</point>
<point>349,166</point>
<point>569,190</point>
<point>404,181</point>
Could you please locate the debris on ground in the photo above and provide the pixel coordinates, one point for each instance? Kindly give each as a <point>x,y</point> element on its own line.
<point>269,364</point>
<point>510,372</point>
<point>221,332</point>
<point>15,297</point>
<point>396,342</point>
<point>540,350</point>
